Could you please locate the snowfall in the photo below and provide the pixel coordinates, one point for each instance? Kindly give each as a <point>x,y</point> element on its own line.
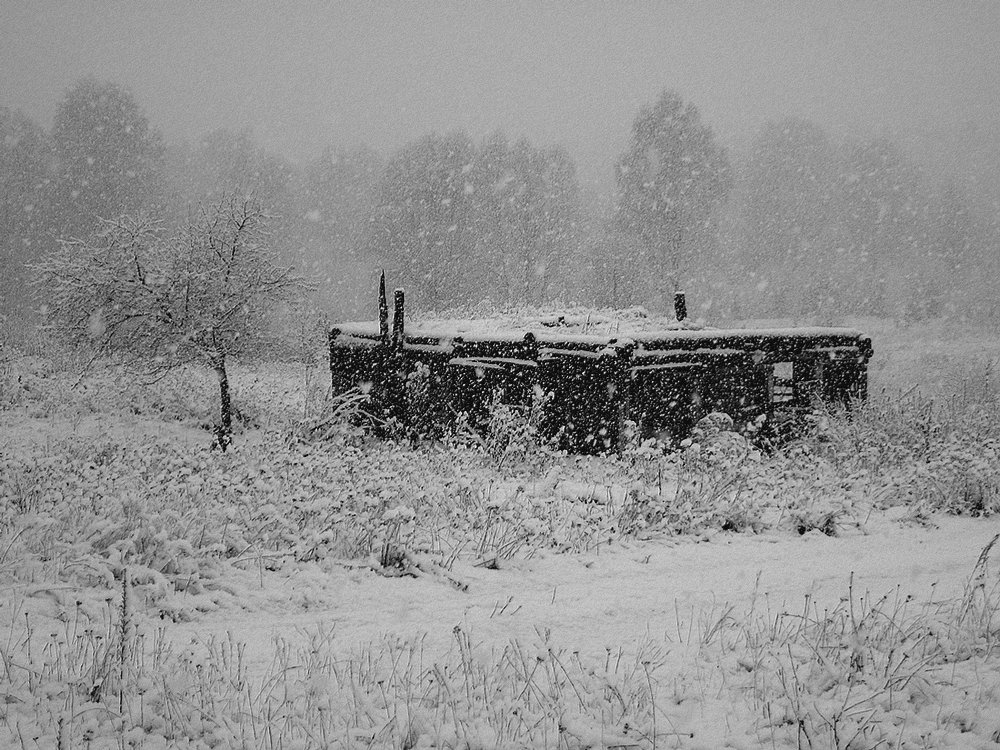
<point>329,590</point>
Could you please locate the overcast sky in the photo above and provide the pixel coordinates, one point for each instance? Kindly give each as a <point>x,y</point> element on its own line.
<point>305,74</point>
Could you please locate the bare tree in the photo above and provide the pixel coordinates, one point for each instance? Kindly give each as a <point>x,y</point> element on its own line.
<point>155,302</point>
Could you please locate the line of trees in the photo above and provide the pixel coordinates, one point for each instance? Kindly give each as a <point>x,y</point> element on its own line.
<point>459,222</point>
<point>828,227</point>
<point>803,224</point>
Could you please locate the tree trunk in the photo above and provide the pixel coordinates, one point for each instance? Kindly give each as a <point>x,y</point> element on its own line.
<point>224,432</point>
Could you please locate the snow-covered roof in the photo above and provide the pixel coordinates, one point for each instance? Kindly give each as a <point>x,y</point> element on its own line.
<point>592,328</point>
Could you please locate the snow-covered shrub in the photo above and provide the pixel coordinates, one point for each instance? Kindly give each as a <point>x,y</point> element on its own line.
<point>935,454</point>
<point>871,671</point>
<point>707,484</point>
<point>389,694</point>
<point>513,436</point>
<point>957,478</point>
<point>301,491</point>
<point>103,679</point>
<point>420,407</point>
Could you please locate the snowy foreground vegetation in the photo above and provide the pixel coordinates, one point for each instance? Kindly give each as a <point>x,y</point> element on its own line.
<point>312,587</point>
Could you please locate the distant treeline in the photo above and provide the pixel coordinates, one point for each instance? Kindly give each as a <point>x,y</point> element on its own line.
<point>803,225</point>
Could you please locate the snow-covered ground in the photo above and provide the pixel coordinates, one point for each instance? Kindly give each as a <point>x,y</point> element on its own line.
<point>352,594</point>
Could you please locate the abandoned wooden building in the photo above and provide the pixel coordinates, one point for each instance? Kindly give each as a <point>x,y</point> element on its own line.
<point>594,391</point>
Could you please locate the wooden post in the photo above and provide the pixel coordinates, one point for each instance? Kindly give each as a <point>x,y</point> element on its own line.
<point>397,320</point>
<point>383,311</point>
<point>680,306</point>
<point>396,367</point>
<point>331,341</point>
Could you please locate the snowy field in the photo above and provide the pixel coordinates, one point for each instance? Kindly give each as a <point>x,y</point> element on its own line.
<point>313,588</point>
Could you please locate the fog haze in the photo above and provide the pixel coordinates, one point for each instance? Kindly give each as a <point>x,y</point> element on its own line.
<point>308,75</point>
